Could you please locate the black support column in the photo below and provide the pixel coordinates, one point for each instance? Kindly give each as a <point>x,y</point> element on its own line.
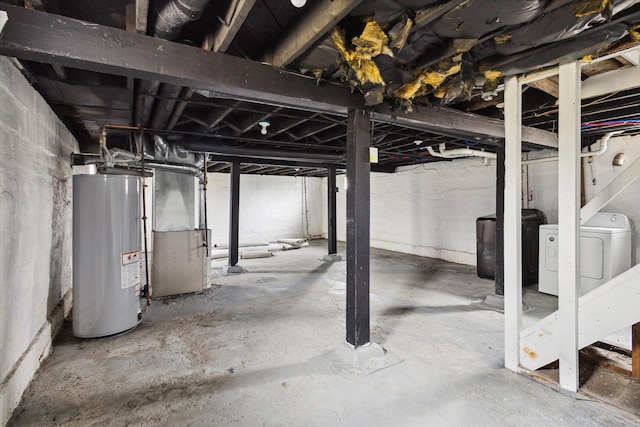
<point>500,218</point>
<point>358,202</point>
<point>332,234</point>
<point>234,218</point>
<point>331,204</point>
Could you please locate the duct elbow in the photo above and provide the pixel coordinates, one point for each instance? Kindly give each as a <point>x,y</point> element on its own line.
<point>174,14</point>
<point>161,146</point>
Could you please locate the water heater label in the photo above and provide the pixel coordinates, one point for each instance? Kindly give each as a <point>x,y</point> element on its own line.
<point>130,272</point>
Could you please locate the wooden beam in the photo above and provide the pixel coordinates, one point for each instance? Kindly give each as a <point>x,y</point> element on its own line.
<point>613,81</point>
<point>430,14</point>
<point>309,29</point>
<point>222,38</point>
<point>43,37</point>
<point>546,85</point>
<point>136,16</point>
<point>53,39</point>
<point>458,124</point>
<point>130,24</point>
<point>142,13</point>
<point>635,350</point>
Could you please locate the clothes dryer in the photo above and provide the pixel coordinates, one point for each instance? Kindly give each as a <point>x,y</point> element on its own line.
<point>605,252</point>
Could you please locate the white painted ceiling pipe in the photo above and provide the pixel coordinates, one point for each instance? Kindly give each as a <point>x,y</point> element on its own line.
<point>459,152</point>
<point>603,147</point>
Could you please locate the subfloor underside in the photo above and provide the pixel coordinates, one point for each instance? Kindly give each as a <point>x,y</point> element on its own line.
<point>258,349</point>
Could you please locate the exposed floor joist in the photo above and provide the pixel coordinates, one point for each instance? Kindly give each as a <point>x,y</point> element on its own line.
<point>613,81</point>
<point>42,37</point>
<point>313,25</point>
<point>222,38</point>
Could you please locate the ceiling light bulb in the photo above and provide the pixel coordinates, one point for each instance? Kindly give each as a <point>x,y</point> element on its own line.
<point>298,3</point>
<point>264,124</point>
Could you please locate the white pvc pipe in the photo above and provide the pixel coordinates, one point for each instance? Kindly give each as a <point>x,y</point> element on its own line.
<point>255,254</point>
<point>603,147</point>
<point>459,152</point>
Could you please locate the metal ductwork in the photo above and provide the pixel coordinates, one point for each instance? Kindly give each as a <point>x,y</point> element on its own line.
<point>169,17</point>
<point>162,150</point>
<point>191,170</point>
<point>172,15</point>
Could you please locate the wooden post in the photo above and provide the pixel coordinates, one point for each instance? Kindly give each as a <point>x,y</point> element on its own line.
<point>512,227</point>
<point>635,350</point>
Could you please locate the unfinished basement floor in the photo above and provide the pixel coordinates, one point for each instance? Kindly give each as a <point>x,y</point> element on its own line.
<point>257,349</point>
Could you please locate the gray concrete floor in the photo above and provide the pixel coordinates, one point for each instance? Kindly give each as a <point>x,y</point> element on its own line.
<point>258,350</point>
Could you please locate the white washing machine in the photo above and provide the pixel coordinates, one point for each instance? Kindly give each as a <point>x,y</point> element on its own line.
<point>605,252</point>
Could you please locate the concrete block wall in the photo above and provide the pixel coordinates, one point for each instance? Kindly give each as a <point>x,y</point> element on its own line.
<point>35,225</point>
<point>543,182</point>
<point>271,207</point>
<point>428,210</point>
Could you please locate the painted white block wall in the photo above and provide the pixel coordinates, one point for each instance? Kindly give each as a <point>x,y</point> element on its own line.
<point>36,225</point>
<point>271,207</point>
<point>428,210</point>
<point>543,180</point>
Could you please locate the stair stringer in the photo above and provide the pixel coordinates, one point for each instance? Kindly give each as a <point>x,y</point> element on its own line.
<point>601,312</point>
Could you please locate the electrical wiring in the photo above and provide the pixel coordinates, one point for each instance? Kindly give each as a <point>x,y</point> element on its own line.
<point>610,123</point>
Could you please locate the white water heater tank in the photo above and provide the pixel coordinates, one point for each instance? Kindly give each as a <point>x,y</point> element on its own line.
<point>106,254</point>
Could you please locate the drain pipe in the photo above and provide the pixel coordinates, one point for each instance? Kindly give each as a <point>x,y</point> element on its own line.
<point>604,144</point>
<point>459,152</point>
<point>204,191</point>
<point>203,183</point>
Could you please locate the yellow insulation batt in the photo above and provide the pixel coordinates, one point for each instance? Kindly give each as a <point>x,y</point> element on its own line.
<point>634,32</point>
<point>502,38</point>
<point>433,77</point>
<point>587,7</point>
<point>493,79</point>
<point>372,42</point>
